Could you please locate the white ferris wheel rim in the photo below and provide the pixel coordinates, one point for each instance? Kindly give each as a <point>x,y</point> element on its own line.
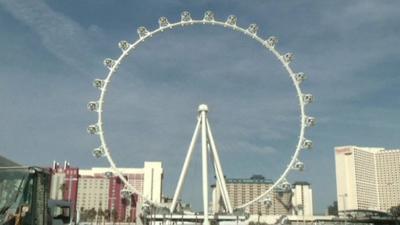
<point>113,66</point>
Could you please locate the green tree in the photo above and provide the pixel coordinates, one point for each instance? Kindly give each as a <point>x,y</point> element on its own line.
<point>333,209</point>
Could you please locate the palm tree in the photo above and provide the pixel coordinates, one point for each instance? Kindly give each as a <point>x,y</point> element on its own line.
<point>114,215</point>
<point>92,215</point>
<point>62,188</point>
<point>87,215</point>
<point>107,215</point>
<point>100,215</point>
<point>82,214</point>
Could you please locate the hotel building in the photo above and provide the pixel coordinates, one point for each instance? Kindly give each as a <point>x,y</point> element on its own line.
<point>91,189</point>
<point>96,190</point>
<point>367,178</point>
<point>281,202</point>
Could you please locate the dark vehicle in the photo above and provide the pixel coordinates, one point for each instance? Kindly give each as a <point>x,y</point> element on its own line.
<point>24,198</point>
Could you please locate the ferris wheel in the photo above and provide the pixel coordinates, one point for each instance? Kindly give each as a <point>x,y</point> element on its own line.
<point>230,23</point>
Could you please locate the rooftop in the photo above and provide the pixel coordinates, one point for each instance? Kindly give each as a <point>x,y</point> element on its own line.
<point>301,183</point>
<point>255,179</point>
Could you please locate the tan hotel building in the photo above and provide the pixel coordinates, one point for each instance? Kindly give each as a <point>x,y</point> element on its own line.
<point>367,178</point>
<point>241,191</point>
<point>96,190</point>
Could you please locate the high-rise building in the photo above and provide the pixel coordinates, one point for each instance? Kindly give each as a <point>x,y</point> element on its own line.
<point>241,191</point>
<point>153,177</point>
<point>93,191</point>
<point>99,191</point>
<point>302,199</point>
<point>367,178</point>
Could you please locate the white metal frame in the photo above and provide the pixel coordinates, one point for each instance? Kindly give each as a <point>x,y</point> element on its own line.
<point>207,145</point>
<point>208,19</point>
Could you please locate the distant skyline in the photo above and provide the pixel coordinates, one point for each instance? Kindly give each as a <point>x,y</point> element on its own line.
<point>51,51</point>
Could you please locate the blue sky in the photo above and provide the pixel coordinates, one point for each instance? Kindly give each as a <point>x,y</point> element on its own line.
<point>50,52</point>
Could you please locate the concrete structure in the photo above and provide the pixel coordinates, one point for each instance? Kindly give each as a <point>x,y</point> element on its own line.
<point>367,178</point>
<point>302,199</point>
<point>241,191</point>
<point>96,190</point>
<point>153,177</point>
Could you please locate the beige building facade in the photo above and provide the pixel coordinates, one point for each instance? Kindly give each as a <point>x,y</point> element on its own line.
<point>93,192</point>
<point>95,189</point>
<point>367,178</point>
<point>241,191</point>
<point>302,199</point>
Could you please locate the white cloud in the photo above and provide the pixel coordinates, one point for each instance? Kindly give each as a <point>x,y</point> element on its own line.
<point>60,35</point>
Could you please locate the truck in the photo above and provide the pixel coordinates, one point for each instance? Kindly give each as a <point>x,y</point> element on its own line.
<point>24,198</point>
